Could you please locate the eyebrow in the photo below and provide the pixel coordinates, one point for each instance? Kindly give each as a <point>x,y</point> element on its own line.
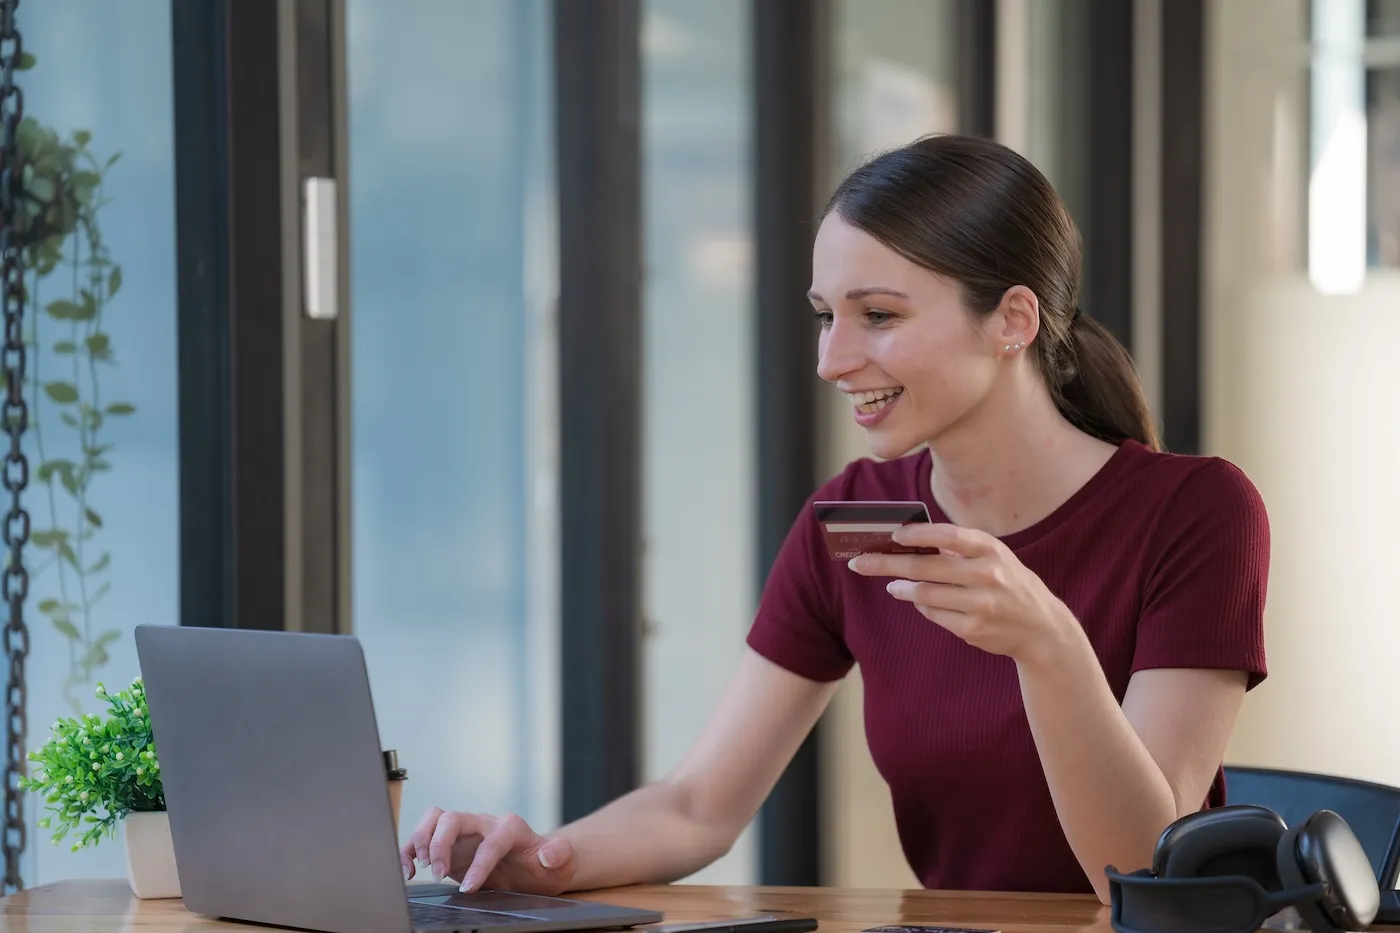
<point>856,294</point>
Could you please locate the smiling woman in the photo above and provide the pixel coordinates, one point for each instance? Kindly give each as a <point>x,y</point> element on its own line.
<point>1054,685</point>
<point>1047,694</point>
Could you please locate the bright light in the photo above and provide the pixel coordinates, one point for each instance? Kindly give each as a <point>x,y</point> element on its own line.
<point>1337,187</point>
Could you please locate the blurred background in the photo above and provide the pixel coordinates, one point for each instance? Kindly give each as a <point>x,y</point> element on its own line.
<point>528,401</point>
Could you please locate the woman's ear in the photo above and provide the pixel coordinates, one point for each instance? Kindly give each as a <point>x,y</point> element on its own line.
<point>1016,320</point>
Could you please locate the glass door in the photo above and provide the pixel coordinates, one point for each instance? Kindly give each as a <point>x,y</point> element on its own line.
<point>450,204</point>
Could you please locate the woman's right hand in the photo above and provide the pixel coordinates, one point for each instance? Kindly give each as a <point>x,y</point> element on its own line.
<point>501,853</point>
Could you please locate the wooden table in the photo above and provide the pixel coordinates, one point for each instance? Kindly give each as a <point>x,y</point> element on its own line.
<point>109,907</point>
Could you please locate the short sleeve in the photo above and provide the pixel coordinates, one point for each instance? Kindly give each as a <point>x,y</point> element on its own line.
<point>1203,605</point>
<point>798,623</point>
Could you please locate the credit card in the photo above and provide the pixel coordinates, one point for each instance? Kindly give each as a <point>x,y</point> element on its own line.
<point>855,528</point>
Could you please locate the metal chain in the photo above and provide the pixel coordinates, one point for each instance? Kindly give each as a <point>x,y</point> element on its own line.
<point>14,582</point>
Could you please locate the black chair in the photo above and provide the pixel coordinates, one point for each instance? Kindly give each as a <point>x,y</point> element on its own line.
<point>1371,810</point>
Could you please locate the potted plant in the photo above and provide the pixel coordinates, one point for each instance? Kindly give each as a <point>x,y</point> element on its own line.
<point>97,772</point>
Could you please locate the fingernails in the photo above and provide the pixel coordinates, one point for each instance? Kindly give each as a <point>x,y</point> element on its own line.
<point>408,873</point>
<point>853,563</point>
<point>545,860</point>
<point>439,870</point>
<point>468,883</point>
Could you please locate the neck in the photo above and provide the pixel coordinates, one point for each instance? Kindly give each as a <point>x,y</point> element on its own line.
<point>1012,461</point>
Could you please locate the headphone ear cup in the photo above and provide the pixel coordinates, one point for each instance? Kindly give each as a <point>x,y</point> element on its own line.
<point>1324,849</point>
<point>1240,840</point>
<point>1164,856</point>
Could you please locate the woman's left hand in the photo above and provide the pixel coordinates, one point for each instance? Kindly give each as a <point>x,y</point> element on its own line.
<point>976,588</point>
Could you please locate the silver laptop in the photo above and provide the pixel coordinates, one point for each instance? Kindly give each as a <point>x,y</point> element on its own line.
<point>279,808</point>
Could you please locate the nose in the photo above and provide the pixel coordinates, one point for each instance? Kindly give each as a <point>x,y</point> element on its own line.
<point>840,351</point>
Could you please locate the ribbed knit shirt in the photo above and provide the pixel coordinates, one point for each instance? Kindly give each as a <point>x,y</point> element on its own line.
<point>1163,558</point>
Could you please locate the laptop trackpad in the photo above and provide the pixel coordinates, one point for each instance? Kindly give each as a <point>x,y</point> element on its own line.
<point>506,902</point>
<point>421,890</point>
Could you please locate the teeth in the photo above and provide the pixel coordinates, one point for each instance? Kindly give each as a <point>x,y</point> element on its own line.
<point>868,398</point>
<point>870,402</point>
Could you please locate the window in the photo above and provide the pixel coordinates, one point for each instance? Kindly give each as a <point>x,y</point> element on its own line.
<point>699,409</point>
<point>450,138</point>
<point>102,446</point>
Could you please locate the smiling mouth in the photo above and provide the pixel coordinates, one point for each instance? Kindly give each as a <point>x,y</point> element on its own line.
<point>867,403</point>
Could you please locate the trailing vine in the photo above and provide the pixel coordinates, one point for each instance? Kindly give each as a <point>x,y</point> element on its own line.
<point>71,282</point>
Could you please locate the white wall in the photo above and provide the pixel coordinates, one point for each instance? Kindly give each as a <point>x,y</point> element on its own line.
<point>1301,391</point>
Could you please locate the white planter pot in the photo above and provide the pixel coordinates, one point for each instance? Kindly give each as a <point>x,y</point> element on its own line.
<point>150,855</point>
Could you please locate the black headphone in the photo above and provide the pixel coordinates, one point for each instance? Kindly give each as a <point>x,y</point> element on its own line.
<point>1229,869</point>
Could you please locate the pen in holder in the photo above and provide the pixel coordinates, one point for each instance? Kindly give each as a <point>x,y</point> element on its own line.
<point>396,776</point>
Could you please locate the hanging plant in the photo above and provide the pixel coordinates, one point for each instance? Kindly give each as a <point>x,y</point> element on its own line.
<point>70,282</point>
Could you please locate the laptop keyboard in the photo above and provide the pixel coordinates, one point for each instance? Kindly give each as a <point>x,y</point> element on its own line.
<point>432,917</point>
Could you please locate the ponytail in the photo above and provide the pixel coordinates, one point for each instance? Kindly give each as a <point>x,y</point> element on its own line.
<point>1103,395</point>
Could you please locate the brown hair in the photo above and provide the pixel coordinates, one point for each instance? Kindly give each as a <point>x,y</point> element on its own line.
<point>979,213</point>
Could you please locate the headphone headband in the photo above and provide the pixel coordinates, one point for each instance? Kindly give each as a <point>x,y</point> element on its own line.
<point>1145,903</point>
<point>1230,869</point>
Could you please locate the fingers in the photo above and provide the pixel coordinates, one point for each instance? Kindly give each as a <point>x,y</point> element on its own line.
<point>508,835</point>
<point>967,542</point>
<point>956,623</point>
<point>935,568</point>
<point>438,841</point>
<point>450,828</point>
<point>416,848</point>
<point>556,853</point>
<point>958,599</point>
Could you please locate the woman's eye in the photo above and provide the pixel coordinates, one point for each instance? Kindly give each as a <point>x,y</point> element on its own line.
<point>878,317</point>
<point>824,317</point>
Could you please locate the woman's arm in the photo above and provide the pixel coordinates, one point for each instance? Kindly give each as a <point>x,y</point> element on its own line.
<point>1119,775</point>
<point>683,822</point>
<point>657,833</point>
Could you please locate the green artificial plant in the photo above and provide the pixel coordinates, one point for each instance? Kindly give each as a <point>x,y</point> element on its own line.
<point>94,770</point>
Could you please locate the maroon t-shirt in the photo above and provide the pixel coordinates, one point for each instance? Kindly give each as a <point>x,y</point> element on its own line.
<point>1163,558</point>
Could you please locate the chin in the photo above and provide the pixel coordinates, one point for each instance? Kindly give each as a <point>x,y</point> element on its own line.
<point>891,446</point>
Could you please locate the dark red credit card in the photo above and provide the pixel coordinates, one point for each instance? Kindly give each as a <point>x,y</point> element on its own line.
<point>855,528</point>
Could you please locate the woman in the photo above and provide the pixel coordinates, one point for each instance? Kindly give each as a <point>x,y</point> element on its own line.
<point>1055,685</point>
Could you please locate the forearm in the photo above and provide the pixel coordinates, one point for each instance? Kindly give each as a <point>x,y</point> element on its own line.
<point>648,836</point>
<point>1112,799</point>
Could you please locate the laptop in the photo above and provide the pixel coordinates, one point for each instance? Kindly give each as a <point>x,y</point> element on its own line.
<point>279,809</point>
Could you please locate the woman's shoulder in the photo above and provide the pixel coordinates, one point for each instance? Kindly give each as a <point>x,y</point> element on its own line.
<point>1188,510</point>
<point>1186,486</point>
<point>1204,567</point>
